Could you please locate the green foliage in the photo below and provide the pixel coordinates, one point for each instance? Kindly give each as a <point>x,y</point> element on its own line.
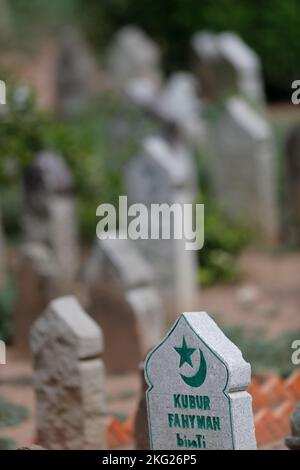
<point>223,242</point>
<point>24,132</point>
<point>223,238</point>
<point>7,300</point>
<point>7,444</point>
<point>270,28</point>
<point>11,414</point>
<point>96,152</point>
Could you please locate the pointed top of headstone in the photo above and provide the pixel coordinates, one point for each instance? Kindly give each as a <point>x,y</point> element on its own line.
<point>178,103</point>
<point>205,45</point>
<point>132,56</point>
<point>67,324</point>
<point>123,262</point>
<point>203,404</point>
<point>227,66</point>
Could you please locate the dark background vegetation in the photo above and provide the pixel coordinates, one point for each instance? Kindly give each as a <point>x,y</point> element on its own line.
<point>270,27</point>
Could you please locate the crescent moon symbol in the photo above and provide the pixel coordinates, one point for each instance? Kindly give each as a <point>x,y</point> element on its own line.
<point>198,379</point>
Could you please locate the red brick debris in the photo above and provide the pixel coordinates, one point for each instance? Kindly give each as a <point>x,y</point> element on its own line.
<point>274,400</point>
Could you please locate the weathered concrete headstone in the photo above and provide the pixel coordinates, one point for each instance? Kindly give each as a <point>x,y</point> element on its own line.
<point>76,74</point>
<point>68,378</point>
<point>226,66</point>
<point>242,167</point>
<point>37,283</point>
<point>178,103</point>
<point>292,169</point>
<point>50,215</point>
<point>124,302</point>
<point>164,173</point>
<point>133,61</point>
<point>197,395</point>
<point>293,441</point>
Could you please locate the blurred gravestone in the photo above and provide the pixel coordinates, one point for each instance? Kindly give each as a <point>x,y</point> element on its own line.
<point>49,213</point>
<point>76,74</point>
<point>178,103</point>
<point>164,173</point>
<point>36,286</point>
<point>292,164</point>
<point>68,378</point>
<point>204,403</point>
<point>2,255</point>
<point>124,302</point>
<point>226,66</point>
<point>242,167</point>
<point>133,61</point>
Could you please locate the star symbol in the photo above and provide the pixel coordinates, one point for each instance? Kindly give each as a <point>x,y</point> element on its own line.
<point>185,353</point>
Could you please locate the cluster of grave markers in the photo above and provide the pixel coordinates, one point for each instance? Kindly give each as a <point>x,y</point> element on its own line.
<point>197,381</point>
<point>133,290</point>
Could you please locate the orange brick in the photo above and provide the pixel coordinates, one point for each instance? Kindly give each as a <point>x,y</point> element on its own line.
<point>283,415</point>
<point>293,384</point>
<point>259,398</point>
<point>129,425</point>
<point>116,434</point>
<point>263,436</point>
<point>274,389</point>
<point>267,428</point>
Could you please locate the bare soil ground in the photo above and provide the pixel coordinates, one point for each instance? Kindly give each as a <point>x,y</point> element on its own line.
<point>267,295</point>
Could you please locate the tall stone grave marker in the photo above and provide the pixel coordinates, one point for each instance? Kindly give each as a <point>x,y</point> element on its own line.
<point>49,213</point>
<point>164,174</point>
<point>133,61</point>
<point>226,65</point>
<point>197,395</point>
<point>68,378</point>
<point>124,302</point>
<point>242,167</point>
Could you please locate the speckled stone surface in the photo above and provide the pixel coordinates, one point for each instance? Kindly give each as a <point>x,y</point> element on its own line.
<point>197,395</point>
<point>69,378</point>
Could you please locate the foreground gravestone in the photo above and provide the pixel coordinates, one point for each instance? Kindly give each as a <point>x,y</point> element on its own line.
<point>164,173</point>
<point>226,66</point>
<point>124,301</point>
<point>242,167</point>
<point>197,395</point>
<point>68,378</point>
<point>50,213</point>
